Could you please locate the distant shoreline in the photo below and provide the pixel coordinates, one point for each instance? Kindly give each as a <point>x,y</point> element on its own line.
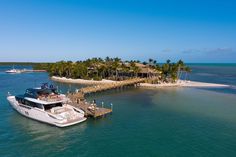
<point>179,83</point>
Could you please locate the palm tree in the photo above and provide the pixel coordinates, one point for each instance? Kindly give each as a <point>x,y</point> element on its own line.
<point>150,60</point>
<point>67,69</point>
<point>74,71</point>
<point>107,59</point>
<point>187,70</point>
<point>180,62</point>
<point>109,67</point>
<point>61,67</point>
<point>136,70</point>
<point>117,59</point>
<point>115,65</point>
<point>101,71</point>
<point>154,62</point>
<point>168,61</point>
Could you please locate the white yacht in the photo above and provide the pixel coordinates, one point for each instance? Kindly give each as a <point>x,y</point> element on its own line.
<point>13,71</point>
<point>46,105</point>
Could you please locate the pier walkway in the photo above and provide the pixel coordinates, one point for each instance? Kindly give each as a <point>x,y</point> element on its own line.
<point>104,87</point>
<point>92,110</point>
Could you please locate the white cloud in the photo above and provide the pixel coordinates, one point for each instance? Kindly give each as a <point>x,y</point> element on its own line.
<point>206,51</point>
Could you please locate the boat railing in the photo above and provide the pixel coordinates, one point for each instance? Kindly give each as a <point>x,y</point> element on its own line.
<point>51,98</point>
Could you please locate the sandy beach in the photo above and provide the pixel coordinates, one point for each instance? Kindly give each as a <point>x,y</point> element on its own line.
<point>184,84</point>
<point>179,83</point>
<point>81,81</point>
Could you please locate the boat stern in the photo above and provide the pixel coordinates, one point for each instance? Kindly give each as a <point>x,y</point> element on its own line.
<point>70,122</point>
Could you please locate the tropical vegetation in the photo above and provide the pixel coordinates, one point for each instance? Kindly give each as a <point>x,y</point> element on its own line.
<point>113,68</point>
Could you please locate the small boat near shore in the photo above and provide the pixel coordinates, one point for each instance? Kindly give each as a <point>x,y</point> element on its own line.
<point>17,71</point>
<point>44,104</point>
<point>14,71</point>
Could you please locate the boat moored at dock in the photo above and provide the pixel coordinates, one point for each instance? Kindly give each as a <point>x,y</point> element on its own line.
<point>46,105</point>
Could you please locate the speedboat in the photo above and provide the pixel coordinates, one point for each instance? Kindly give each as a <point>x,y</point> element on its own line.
<point>46,105</point>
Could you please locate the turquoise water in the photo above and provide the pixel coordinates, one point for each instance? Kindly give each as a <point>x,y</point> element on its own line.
<point>145,122</point>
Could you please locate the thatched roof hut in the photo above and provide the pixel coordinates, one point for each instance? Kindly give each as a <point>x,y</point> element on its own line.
<point>146,70</point>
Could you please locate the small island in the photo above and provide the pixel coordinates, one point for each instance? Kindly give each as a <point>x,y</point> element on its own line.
<point>114,70</point>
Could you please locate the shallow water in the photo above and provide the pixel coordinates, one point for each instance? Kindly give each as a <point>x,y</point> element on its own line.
<point>145,122</point>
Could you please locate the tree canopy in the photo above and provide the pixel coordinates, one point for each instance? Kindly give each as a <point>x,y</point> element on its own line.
<point>111,68</point>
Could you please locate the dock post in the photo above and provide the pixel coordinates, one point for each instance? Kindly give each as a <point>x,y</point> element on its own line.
<point>111,106</point>
<point>102,104</point>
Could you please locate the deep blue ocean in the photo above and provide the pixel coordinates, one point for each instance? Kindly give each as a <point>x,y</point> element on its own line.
<point>166,122</point>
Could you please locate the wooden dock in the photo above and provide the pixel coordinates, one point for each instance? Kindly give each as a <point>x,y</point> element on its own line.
<point>29,70</point>
<point>104,87</point>
<point>91,110</point>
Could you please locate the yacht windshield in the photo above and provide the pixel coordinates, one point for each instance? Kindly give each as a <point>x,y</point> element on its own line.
<point>49,106</point>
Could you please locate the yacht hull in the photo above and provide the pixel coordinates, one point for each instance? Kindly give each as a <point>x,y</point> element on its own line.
<point>41,115</point>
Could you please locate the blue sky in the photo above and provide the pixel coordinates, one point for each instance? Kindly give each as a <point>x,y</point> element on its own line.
<point>52,30</point>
